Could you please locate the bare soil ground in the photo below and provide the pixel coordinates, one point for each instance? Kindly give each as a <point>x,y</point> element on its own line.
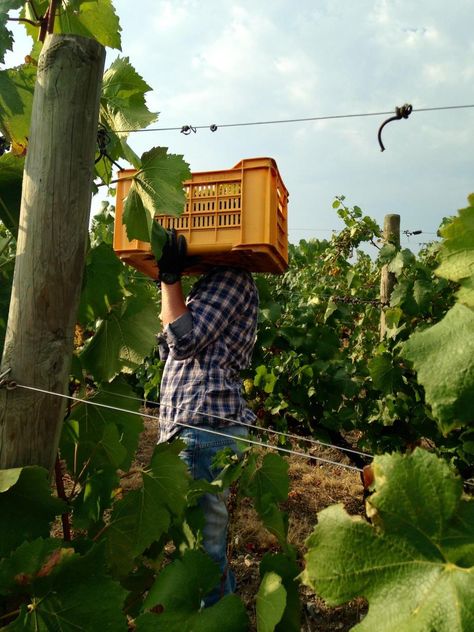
<point>313,486</point>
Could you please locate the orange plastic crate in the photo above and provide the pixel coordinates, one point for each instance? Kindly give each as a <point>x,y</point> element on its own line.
<point>235,217</point>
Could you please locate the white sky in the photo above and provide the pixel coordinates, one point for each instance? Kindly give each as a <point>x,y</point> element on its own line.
<point>216,61</point>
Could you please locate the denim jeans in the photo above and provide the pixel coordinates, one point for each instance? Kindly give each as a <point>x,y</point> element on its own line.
<point>198,455</point>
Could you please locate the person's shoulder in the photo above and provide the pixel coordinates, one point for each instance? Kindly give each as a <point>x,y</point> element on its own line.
<point>230,279</point>
<point>228,273</point>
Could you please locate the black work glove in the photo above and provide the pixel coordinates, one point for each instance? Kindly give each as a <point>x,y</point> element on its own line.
<point>173,259</point>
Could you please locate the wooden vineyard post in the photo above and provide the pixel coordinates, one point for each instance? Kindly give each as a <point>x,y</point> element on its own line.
<point>52,239</point>
<point>391,234</point>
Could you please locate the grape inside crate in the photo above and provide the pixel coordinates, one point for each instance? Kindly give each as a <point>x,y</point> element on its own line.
<point>235,217</point>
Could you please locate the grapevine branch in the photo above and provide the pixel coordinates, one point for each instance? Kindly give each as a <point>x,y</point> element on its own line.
<point>52,15</point>
<point>24,21</point>
<point>62,494</point>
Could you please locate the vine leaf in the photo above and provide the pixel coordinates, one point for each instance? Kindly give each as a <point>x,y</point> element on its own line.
<point>466,292</point>
<point>101,436</point>
<point>143,515</point>
<point>11,178</point>
<point>122,109</point>
<point>138,519</point>
<point>443,356</point>
<point>268,485</point>
<point>102,286</point>
<point>124,337</point>
<point>422,293</point>
<point>457,252</point>
<point>16,100</point>
<point>288,569</point>
<point>25,497</point>
<point>157,188</point>
<point>20,567</point>
<point>270,480</point>
<point>270,602</point>
<point>123,104</point>
<point>178,591</point>
<point>414,564</point>
<point>96,20</point>
<point>385,376</point>
<point>169,476</point>
<point>70,592</point>
<point>6,36</point>
<point>95,441</point>
<point>403,259</point>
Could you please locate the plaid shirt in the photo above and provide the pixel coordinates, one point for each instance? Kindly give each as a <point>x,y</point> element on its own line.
<point>205,350</point>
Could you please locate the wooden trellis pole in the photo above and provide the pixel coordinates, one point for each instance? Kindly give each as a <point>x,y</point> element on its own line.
<point>52,241</point>
<point>391,234</point>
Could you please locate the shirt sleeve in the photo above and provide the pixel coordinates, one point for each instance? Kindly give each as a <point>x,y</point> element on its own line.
<point>217,301</point>
<point>163,349</point>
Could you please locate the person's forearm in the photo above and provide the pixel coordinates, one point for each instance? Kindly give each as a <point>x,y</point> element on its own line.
<point>172,303</point>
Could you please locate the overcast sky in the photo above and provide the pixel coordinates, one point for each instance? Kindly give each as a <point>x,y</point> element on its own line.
<point>216,61</point>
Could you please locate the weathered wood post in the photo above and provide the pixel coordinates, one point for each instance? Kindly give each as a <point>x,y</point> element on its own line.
<point>391,234</point>
<point>52,241</point>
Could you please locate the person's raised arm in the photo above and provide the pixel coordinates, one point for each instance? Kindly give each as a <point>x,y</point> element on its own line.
<point>171,265</point>
<point>173,305</point>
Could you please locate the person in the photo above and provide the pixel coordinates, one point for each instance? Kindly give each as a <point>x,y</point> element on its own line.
<point>206,341</point>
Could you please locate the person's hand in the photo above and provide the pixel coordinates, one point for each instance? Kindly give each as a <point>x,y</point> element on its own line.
<point>173,259</point>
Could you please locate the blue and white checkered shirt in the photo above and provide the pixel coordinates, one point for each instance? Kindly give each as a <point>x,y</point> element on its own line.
<point>205,350</point>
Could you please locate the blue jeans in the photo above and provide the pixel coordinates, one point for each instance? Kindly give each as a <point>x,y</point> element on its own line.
<point>198,455</point>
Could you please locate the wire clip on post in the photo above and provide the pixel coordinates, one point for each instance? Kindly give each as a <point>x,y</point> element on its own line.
<point>400,112</point>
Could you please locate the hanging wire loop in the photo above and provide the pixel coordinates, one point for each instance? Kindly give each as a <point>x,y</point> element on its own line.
<point>400,112</point>
<point>187,129</point>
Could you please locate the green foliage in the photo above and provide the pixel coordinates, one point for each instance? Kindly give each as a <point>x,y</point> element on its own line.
<point>442,356</point>
<point>88,434</point>
<point>95,19</point>
<point>123,337</point>
<point>70,592</point>
<point>50,582</point>
<point>11,178</point>
<point>288,570</point>
<point>122,109</point>
<point>178,592</point>
<point>318,326</point>
<point>46,582</point>
<point>386,377</point>
<point>457,253</point>
<point>123,104</point>
<point>414,564</point>
<point>156,188</point>
<point>6,36</point>
<point>267,484</point>
<point>270,603</point>
<point>7,261</point>
<point>16,100</point>
<point>25,497</point>
<point>320,367</point>
<point>102,284</point>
